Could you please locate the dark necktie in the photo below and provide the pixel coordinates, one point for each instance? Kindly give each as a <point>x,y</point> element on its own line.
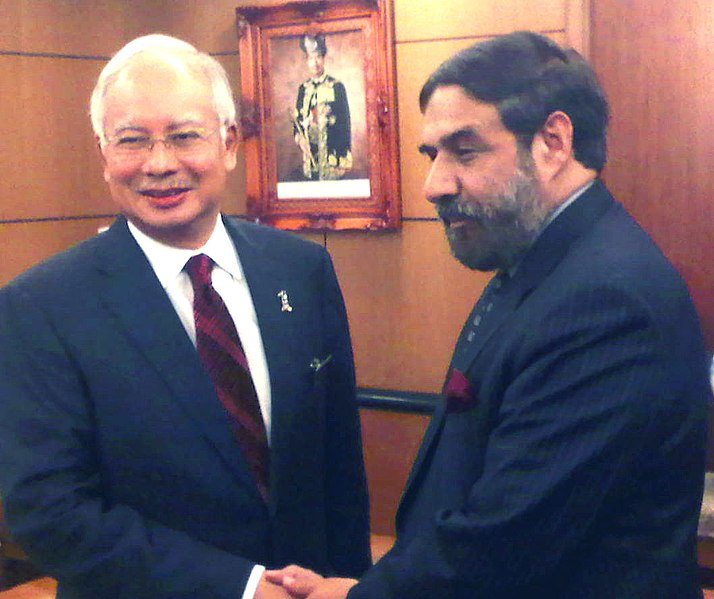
<point>482,310</point>
<point>222,355</point>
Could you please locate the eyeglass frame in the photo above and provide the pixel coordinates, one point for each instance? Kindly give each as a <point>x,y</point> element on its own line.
<point>150,141</point>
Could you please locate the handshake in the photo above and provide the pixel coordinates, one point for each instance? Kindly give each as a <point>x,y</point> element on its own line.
<point>294,582</point>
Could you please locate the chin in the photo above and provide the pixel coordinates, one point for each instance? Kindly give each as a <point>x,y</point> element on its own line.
<point>475,260</point>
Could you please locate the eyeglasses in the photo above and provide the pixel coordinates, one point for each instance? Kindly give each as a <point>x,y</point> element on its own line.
<point>183,143</point>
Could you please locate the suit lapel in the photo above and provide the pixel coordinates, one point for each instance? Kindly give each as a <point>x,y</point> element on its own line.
<point>133,295</point>
<point>546,253</point>
<point>267,275</point>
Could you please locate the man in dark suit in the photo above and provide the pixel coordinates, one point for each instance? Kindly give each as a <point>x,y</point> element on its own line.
<point>121,472</point>
<point>567,457</point>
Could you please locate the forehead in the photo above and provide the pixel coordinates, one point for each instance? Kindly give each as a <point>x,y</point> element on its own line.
<point>156,90</point>
<point>450,110</point>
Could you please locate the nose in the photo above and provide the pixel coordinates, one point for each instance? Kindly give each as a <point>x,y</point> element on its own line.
<point>442,183</point>
<point>160,160</point>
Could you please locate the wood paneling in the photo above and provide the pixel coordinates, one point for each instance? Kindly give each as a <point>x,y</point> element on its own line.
<point>656,62</point>
<point>51,167</point>
<point>428,20</point>
<point>415,62</point>
<point>25,244</point>
<point>390,440</point>
<point>210,27</point>
<point>78,27</point>
<point>406,299</point>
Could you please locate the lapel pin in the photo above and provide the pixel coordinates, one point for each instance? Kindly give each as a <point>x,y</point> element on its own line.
<point>284,303</point>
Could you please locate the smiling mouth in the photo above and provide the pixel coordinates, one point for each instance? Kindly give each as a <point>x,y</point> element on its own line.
<point>164,193</point>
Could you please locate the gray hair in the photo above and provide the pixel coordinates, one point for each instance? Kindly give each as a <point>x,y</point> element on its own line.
<point>164,45</point>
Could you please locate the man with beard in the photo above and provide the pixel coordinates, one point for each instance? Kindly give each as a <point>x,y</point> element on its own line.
<point>567,456</point>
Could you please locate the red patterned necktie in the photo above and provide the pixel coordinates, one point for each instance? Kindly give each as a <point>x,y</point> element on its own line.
<point>222,355</point>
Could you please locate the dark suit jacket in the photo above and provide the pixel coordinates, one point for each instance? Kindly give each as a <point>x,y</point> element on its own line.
<point>577,468</point>
<point>118,470</point>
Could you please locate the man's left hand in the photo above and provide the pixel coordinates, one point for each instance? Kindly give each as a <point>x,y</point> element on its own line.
<point>306,584</point>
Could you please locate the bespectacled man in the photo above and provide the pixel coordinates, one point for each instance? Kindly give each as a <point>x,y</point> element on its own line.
<point>178,405</point>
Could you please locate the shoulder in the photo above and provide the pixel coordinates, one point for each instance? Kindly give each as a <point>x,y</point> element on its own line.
<point>59,270</point>
<point>271,240</point>
<point>336,83</point>
<point>619,250</point>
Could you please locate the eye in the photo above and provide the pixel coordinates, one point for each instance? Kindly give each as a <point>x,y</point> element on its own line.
<point>466,153</point>
<point>185,138</point>
<point>132,141</point>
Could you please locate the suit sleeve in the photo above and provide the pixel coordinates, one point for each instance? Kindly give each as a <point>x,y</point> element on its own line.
<point>581,401</point>
<point>346,487</point>
<point>52,493</point>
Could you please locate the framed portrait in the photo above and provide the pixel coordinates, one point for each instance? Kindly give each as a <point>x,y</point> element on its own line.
<point>318,114</point>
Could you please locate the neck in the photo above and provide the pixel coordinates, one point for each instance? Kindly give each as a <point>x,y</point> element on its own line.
<point>561,187</point>
<point>190,236</point>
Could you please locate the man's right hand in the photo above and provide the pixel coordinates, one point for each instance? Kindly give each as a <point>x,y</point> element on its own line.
<point>300,581</point>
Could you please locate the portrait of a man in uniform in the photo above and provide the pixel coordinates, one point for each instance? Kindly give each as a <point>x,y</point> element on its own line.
<point>321,120</point>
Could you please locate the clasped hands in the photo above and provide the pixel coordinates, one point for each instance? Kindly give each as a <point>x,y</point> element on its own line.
<point>295,582</point>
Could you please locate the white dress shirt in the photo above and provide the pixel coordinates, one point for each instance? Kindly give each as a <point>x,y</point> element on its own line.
<point>230,283</point>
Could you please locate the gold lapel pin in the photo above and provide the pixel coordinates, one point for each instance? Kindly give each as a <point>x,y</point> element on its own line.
<point>284,303</point>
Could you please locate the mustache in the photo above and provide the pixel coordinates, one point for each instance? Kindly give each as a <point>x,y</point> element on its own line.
<point>453,208</point>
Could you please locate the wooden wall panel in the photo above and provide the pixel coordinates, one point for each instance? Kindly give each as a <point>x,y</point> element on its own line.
<point>25,244</point>
<point>429,20</point>
<point>77,27</point>
<point>51,166</point>
<point>390,441</point>
<point>656,62</point>
<point>210,26</point>
<point>415,62</point>
<point>407,299</point>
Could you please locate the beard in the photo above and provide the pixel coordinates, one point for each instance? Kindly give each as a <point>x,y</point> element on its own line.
<point>493,232</point>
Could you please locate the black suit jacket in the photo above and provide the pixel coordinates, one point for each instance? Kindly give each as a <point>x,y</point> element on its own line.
<point>118,470</point>
<point>577,468</point>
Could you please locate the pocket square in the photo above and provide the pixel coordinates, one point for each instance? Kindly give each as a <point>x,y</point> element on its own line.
<point>458,393</point>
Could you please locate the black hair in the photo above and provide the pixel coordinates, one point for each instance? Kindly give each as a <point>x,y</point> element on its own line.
<point>316,43</point>
<point>527,77</point>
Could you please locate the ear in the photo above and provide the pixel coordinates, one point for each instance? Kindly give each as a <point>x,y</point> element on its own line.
<point>102,157</point>
<point>552,147</point>
<point>231,147</point>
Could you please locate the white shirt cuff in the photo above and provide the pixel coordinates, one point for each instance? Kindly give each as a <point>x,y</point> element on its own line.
<point>253,580</point>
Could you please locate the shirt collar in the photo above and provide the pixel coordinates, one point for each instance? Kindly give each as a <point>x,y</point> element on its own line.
<point>318,80</point>
<point>168,261</point>
<point>563,205</point>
